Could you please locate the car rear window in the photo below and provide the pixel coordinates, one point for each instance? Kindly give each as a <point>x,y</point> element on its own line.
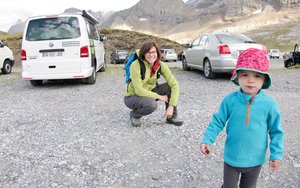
<point>275,51</point>
<point>53,28</point>
<point>171,51</point>
<point>233,39</point>
<point>122,52</point>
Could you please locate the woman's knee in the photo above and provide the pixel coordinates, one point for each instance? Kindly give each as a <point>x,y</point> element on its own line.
<point>152,106</point>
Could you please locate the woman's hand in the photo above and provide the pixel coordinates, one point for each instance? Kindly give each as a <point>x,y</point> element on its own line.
<point>205,149</point>
<point>169,112</point>
<point>275,164</point>
<point>163,98</point>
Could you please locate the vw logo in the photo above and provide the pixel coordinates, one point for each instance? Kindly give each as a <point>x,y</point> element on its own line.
<point>51,44</point>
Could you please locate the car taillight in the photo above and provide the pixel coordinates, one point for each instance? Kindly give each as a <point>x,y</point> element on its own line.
<point>224,49</point>
<point>84,51</point>
<point>23,55</point>
<point>265,49</point>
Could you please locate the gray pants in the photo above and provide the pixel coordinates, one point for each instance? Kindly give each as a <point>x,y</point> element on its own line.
<point>248,179</point>
<point>142,106</point>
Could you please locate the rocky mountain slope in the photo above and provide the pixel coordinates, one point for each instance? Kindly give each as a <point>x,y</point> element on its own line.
<point>177,21</point>
<point>181,22</point>
<point>100,16</point>
<point>147,16</point>
<point>174,20</point>
<point>17,27</point>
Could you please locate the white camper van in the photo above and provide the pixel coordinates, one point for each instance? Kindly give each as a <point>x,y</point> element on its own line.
<point>65,46</point>
<point>6,59</point>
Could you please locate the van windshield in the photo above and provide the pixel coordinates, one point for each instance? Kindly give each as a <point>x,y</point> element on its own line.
<point>53,28</point>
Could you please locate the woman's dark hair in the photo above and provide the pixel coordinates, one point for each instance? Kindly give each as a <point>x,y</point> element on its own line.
<point>146,47</point>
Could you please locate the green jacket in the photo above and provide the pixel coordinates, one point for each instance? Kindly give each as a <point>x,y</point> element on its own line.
<point>143,88</point>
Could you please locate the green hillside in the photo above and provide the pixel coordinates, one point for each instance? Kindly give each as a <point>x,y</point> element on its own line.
<point>117,39</point>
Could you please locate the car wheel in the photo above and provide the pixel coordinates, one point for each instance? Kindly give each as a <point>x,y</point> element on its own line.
<point>289,64</point>
<point>104,66</point>
<point>36,82</point>
<point>277,57</point>
<point>6,67</point>
<point>208,73</point>
<point>184,64</point>
<point>92,78</point>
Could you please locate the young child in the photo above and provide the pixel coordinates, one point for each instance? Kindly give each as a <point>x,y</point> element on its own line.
<point>250,116</point>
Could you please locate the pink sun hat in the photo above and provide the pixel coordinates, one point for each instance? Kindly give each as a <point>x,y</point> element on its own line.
<point>253,59</point>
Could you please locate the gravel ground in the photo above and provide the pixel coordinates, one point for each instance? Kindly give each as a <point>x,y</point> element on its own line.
<point>69,134</point>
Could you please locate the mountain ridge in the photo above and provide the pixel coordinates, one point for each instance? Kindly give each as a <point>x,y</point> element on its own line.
<point>175,20</point>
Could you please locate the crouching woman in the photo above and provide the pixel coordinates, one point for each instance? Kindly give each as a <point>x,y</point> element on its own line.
<point>141,94</point>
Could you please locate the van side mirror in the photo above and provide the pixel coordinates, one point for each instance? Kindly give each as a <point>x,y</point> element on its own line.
<point>187,45</point>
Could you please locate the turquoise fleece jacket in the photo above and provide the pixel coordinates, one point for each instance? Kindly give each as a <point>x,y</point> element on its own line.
<point>143,88</point>
<point>246,145</point>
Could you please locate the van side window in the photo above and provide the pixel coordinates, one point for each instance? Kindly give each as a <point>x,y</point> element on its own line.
<point>92,31</point>
<point>53,28</point>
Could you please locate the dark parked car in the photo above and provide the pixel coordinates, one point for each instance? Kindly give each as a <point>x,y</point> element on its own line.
<point>286,54</point>
<point>118,56</point>
<point>293,59</point>
<point>179,57</point>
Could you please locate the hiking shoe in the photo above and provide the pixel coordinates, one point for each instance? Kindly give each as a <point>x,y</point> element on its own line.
<point>175,121</point>
<point>135,122</point>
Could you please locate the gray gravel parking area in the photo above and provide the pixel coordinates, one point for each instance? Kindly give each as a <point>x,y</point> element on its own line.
<point>69,134</point>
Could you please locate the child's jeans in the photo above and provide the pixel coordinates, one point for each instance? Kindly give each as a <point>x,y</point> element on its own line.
<point>248,179</point>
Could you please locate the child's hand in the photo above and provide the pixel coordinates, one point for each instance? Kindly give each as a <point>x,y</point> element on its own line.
<point>205,149</point>
<point>275,164</point>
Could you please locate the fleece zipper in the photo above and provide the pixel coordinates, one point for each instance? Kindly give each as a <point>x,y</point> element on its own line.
<point>248,110</point>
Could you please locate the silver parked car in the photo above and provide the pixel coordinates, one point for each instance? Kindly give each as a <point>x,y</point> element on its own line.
<point>217,52</point>
<point>168,55</point>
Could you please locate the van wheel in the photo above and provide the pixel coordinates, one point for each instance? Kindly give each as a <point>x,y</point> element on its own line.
<point>6,67</point>
<point>103,68</point>
<point>92,78</point>
<point>36,82</point>
<point>208,73</point>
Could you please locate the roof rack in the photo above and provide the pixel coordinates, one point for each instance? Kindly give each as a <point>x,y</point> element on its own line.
<point>89,16</point>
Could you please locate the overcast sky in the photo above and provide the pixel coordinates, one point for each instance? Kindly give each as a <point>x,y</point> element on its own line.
<point>13,10</point>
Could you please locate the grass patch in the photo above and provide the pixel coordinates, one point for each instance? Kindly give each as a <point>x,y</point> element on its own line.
<point>114,68</point>
<point>276,37</point>
<point>13,36</point>
<point>296,67</point>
